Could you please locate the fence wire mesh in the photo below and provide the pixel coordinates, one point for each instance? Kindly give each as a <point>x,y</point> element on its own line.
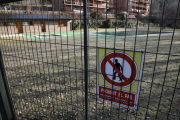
<point>42,44</point>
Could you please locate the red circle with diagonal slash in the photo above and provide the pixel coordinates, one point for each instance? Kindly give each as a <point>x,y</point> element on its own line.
<point>132,64</point>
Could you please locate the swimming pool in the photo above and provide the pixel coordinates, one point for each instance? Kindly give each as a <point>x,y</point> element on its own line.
<point>132,33</point>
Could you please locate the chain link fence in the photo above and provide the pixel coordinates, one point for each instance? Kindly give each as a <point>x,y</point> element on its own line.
<point>50,57</point>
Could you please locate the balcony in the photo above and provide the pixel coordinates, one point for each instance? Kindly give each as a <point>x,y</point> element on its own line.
<point>134,5</point>
<point>89,4</point>
<point>134,11</point>
<point>99,6</point>
<point>78,4</point>
<point>143,6</point>
<point>140,11</point>
<point>141,1</point>
<point>144,11</point>
<point>69,2</point>
<point>102,0</point>
<point>139,5</point>
<point>73,3</point>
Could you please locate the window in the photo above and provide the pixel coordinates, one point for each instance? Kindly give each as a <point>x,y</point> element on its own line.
<point>30,23</point>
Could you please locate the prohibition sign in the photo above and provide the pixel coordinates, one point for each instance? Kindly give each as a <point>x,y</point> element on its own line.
<point>129,74</point>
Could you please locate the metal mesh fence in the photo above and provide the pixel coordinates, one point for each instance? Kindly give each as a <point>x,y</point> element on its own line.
<point>52,74</point>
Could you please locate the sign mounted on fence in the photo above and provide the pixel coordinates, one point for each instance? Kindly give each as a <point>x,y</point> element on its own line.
<point>119,76</point>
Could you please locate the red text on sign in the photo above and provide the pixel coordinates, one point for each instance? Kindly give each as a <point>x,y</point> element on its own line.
<point>117,96</point>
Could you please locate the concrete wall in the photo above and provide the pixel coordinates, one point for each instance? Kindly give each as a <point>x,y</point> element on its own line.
<point>36,28</point>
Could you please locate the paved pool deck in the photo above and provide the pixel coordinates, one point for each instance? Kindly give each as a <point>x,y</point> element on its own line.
<point>92,33</point>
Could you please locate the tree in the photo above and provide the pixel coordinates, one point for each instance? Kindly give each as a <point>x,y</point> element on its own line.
<point>45,2</point>
<point>94,23</point>
<point>166,9</point>
<point>120,20</point>
<point>172,12</point>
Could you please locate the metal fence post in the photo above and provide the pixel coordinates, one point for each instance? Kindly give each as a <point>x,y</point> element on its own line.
<point>85,58</point>
<point>7,108</point>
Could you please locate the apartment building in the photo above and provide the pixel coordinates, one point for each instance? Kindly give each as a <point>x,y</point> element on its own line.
<point>100,5</point>
<point>132,7</point>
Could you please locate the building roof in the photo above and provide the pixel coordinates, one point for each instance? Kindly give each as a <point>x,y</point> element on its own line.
<point>8,1</point>
<point>34,17</point>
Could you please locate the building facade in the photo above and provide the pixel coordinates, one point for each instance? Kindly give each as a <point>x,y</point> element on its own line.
<point>132,7</point>
<point>100,5</point>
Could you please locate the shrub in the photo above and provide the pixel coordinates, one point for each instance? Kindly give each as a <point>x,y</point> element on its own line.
<point>81,25</point>
<point>119,24</point>
<point>120,16</point>
<point>77,24</point>
<point>95,24</point>
<point>122,23</point>
<point>107,24</point>
<point>96,15</point>
<point>96,20</point>
<point>131,23</point>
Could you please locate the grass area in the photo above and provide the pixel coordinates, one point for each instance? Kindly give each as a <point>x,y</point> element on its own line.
<point>46,77</point>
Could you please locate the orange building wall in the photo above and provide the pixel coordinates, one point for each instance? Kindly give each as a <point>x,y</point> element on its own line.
<point>134,6</point>
<point>77,5</point>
